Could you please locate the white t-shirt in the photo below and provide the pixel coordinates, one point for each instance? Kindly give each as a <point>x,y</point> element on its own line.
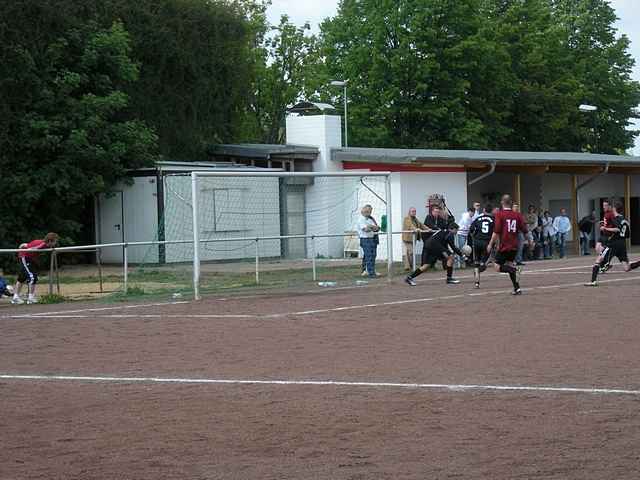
<point>364,222</point>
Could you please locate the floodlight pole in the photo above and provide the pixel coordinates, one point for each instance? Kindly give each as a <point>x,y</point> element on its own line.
<point>584,108</point>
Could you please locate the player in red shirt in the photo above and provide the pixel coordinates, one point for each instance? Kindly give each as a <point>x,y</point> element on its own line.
<point>26,270</point>
<point>507,225</point>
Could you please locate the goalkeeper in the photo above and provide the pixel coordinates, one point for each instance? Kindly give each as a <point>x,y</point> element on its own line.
<point>438,247</point>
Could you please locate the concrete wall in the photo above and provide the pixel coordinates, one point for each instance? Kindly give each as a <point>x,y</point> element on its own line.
<point>503,183</point>
<point>325,215</point>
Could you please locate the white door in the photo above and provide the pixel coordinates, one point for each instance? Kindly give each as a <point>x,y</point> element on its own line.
<point>110,208</point>
<point>295,222</point>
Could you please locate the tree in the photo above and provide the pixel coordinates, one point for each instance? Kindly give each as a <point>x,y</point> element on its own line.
<point>285,62</point>
<point>67,130</point>
<point>414,68</point>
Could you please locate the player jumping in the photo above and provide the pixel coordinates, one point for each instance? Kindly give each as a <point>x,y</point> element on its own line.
<point>437,248</point>
<point>616,246</point>
<point>507,225</point>
<point>480,233</point>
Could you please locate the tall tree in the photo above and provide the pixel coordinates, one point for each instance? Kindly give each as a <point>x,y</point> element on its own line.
<point>67,133</point>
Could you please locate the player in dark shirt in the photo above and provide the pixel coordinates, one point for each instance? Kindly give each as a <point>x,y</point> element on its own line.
<point>480,233</point>
<point>605,224</point>
<point>438,248</point>
<point>618,232</point>
<point>507,226</point>
<point>435,221</point>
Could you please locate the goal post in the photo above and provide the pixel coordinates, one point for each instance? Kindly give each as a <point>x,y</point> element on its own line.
<point>296,214</point>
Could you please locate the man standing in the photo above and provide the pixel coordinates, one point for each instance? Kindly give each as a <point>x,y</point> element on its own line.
<point>619,231</point>
<point>438,248</point>
<point>480,233</point>
<point>411,228</point>
<point>586,227</point>
<point>562,224</point>
<point>367,232</point>
<point>27,269</point>
<point>508,226</point>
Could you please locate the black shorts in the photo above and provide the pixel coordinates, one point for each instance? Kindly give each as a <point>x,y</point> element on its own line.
<point>616,248</point>
<point>506,257</point>
<point>431,257</point>
<point>27,272</point>
<point>480,254</point>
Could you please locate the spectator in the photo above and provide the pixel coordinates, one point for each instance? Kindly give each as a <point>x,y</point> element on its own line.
<point>537,237</point>
<point>586,228</point>
<point>27,269</point>
<point>410,224</point>
<point>562,225</point>
<point>368,233</point>
<point>522,239</point>
<point>532,220</point>
<point>477,210</point>
<point>548,234</point>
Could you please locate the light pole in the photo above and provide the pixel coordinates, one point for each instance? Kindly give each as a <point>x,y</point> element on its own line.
<point>584,108</point>
<point>343,83</point>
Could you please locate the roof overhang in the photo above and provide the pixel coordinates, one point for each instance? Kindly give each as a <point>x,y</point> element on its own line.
<point>265,152</point>
<point>481,161</point>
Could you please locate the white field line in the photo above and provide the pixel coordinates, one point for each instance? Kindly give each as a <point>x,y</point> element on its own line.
<point>102,309</point>
<point>627,278</point>
<point>323,383</point>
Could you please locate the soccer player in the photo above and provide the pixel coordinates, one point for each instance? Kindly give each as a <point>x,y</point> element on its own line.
<point>480,233</point>
<point>437,248</point>
<point>506,228</point>
<point>616,246</point>
<point>27,272</point>
<point>605,224</point>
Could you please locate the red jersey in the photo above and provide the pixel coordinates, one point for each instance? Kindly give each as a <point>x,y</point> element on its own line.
<point>507,225</point>
<point>609,222</point>
<point>33,244</point>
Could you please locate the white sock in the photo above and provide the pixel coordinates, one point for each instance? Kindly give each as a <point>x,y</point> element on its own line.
<point>16,296</point>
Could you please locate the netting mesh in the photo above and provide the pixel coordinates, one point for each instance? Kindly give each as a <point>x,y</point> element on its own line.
<point>241,217</point>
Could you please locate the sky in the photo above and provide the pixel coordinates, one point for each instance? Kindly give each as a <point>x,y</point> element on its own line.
<point>314,11</point>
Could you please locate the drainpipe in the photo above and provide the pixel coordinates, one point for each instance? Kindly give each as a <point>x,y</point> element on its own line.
<point>492,169</point>
<point>591,179</point>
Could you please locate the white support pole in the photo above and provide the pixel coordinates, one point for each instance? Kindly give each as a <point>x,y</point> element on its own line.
<point>415,255</point>
<point>196,236</point>
<point>313,258</point>
<point>389,227</point>
<point>125,261</point>
<point>257,262</point>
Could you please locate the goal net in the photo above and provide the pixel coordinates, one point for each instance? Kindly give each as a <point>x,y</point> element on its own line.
<point>274,229</point>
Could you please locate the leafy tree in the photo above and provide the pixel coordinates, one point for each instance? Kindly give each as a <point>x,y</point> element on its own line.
<point>67,131</point>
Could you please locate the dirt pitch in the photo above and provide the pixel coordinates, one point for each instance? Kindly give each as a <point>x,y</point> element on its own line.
<point>434,382</point>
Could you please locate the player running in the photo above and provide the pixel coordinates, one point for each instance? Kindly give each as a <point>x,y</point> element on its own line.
<point>27,272</point>
<point>437,248</point>
<point>603,242</point>
<point>507,225</point>
<point>480,233</point>
<point>616,246</point>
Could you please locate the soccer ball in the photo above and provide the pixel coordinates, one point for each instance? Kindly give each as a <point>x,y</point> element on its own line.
<point>466,250</point>
<point>8,289</point>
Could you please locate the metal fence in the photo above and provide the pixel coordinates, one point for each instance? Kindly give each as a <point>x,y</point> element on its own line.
<point>54,280</point>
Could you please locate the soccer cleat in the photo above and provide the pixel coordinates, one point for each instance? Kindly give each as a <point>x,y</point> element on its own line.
<point>410,281</point>
<point>517,291</point>
<point>31,301</point>
<point>452,281</point>
<point>364,273</point>
<point>477,284</point>
<point>591,284</point>
<point>17,301</point>
<point>606,268</point>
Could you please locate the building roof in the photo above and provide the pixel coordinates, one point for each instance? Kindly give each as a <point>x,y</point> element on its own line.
<point>481,159</point>
<point>305,106</point>
<point>265,151</point>
<point>188,167</point>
